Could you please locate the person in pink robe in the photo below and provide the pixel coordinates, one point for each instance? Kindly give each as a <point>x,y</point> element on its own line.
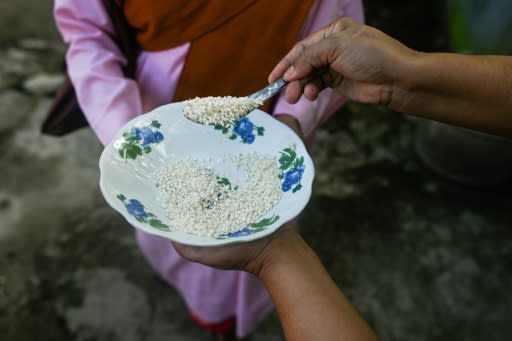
<point>214,297</point>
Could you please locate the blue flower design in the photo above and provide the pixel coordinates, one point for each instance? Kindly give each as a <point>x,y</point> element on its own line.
<point>253,228</point>
<point>292,177</point>
<point>244,128</point>
<point>147,135</point>
<point>243,232</point>
<point>138,140</point>
<point>248,139</point>
<point>135,208</point>
<point>158,137</point>
<point>292,169</point>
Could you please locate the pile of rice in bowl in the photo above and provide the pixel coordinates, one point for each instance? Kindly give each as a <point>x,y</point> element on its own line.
<point>200,199</point>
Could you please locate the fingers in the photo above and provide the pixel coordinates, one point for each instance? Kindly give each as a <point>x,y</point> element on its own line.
<point>311,91</point>
<point>312,85</point>
<point>293,92</point>
<point>216,256</point>
<point>187,251</point>
<point>285,68</point>
<point>238,256</point>
<point>316,67</point>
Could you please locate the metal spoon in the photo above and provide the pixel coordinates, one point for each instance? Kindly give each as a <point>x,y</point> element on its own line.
<point>261,96</point>
<point>269,91</point>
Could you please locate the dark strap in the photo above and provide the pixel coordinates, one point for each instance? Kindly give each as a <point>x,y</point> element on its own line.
<point>125,36</point>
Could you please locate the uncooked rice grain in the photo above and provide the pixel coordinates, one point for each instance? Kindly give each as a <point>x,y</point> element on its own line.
<point>196,202</point>
<point>218,110</point>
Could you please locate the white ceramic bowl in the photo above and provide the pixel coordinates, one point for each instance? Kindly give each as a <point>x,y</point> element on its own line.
<point>128,167</point>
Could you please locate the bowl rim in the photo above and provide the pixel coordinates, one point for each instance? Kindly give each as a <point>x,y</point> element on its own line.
<point>196,240</point>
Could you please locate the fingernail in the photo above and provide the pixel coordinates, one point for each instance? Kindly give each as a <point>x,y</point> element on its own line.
<point>289,72</point>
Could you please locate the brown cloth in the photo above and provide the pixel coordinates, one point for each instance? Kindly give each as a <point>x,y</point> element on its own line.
<point>234,43</point>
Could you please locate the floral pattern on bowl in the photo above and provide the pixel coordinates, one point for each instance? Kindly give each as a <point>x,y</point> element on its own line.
<point>137,210</point>
<point>243,129</point>
<point>253,228</point>
<point>130,187</point>
<point>138,140</point>
<point>292,169</point>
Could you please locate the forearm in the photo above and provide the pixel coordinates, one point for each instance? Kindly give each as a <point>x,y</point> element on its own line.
<point>471,91</point>
<point>309,303</point>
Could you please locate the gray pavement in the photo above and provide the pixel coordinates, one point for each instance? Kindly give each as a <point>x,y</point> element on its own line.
<point>420,257</point>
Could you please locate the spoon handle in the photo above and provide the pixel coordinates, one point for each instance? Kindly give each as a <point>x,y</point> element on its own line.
<point>269,91</point>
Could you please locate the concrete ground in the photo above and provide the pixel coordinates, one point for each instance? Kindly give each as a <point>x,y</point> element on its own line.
<point>420,257</point>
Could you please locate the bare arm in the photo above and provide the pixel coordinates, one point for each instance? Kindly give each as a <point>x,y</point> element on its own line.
<point>367,65</point>
<point>309,303</point>
<point>471,91</point>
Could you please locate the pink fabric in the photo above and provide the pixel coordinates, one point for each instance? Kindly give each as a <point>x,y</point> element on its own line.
<point>109,101</point>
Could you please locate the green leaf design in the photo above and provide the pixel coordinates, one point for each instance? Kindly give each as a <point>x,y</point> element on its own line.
<point>298,162</point>
<point>132,146</point>
<point>287,157</point>
<point>228,128</point>
<point>222,128</point>
<point>130,151</point>
<point>224,181</point>
<point>156,223</point>
<point>291,152</point>
<point>290,161</point>
<point>297,188</point>
<point>285,162</point>
<point>151,219</point>
<point>265,222</point>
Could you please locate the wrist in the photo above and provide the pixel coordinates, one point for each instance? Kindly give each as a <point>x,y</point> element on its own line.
<point>285,248</point>
<point>407,79</point>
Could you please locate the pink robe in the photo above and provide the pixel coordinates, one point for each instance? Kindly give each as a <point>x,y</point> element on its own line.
<point>109,101</point>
